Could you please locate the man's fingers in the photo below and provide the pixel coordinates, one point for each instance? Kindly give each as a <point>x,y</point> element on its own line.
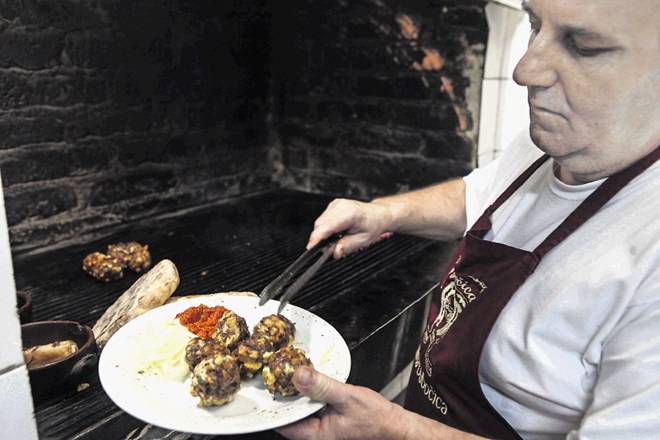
<point>321,232</point>
<point>303,429</point>
<point>339,215</point>
<point>318,386</point>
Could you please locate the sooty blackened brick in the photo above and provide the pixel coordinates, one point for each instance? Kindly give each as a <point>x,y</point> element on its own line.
<point>39,203</point>
<point>147,108</point>
<point>114,190</point>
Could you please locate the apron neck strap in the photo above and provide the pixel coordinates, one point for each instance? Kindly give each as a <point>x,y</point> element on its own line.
<point>595,201</point>
<point>515,185</point>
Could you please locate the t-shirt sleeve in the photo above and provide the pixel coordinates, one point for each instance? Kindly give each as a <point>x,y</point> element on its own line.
<point>483,185</point>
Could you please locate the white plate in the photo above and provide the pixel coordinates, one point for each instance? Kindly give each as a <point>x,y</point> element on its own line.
<point>167,403</point>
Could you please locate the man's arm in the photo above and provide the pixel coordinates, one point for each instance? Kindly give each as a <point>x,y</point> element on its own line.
<point>436,212</point>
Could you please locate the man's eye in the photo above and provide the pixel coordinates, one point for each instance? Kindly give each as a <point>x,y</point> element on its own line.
<point>534,25</point>
<point>583,51</point>
<point>533,31</point>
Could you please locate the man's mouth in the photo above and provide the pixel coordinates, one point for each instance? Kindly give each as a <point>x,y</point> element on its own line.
<point>540,113</point>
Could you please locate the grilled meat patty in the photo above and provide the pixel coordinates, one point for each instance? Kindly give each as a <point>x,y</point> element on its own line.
<point>278,372</point>
<point>252,353</point>
<point>103,267</point>
<point>216,380</point>
<point>277,328</point>
<point>131,255</point>
<point>197,349</point>
<point>231,330</point>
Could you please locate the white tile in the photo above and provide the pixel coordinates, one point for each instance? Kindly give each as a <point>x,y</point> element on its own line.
<point>16,409</point>
<point>514,111</point>
<point>496,40</point>
<point>10,354</point>
<point>507,40</point>
<point>503,114</point>
<point>503,108</point>
<point>489,119</point>
<point>518,40</point>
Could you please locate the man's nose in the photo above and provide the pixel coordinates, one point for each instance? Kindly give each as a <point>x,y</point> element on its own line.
<point>537,67</point>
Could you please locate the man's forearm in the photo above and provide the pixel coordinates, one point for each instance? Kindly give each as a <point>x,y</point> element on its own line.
<point>436,212</point>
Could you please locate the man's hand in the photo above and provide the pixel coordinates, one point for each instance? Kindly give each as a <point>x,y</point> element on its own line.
<point>359,413</point>
<point>364,223</point>
<point>352,412</point>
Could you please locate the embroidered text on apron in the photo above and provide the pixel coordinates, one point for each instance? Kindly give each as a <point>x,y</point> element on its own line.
<point>480,280</point>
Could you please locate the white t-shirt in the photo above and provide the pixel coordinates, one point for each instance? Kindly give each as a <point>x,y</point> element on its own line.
<point>575,354</point>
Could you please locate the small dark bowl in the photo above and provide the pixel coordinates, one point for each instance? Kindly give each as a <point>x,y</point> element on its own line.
<point>68,371</point>
<point>24,306</point>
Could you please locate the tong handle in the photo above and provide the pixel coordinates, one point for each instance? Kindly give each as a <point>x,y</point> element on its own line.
<point>275,287</point>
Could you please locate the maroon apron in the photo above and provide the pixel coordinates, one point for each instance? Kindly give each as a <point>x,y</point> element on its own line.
<point>481,278</point>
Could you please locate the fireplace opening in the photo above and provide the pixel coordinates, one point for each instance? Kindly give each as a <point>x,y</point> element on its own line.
<point>217,132</point>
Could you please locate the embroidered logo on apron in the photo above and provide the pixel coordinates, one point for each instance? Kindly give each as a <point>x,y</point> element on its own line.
<point>429,391</point>
<point>456,294</point>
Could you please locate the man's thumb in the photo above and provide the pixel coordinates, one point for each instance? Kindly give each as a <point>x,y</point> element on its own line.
<point>317,386</point>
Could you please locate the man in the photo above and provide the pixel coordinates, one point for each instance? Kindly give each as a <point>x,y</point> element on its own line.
<point>547,322</point>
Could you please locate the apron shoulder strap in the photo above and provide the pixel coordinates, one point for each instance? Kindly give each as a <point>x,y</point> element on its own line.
<point>595,201</point>
<point>483,223</point>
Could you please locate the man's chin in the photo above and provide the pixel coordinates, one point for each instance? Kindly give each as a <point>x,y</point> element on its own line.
<point>541,138</point>
<point>547,141</point>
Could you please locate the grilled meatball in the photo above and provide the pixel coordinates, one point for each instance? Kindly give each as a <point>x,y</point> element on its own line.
<point>231,329</point>
<point>216,380</point>
<point>278,372</point>
<point>102,267</point>
<point>277,328</point>
<point>131,255</point>
<point>252,353</point>
<point>199,349</point>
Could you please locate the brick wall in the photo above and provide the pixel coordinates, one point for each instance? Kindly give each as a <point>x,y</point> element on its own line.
<point>117,110</point>
<point>379,95</point>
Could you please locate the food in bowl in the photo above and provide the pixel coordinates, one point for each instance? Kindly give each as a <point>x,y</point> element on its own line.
<point>44,354</point>
<point>67,353</point>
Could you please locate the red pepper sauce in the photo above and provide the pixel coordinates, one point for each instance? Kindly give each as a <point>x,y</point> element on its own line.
<point>201,320</point>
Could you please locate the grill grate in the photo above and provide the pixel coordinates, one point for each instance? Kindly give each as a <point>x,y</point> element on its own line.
<point>234,247</point>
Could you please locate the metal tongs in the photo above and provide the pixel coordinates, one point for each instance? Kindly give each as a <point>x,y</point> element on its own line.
<point>324,247</point>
